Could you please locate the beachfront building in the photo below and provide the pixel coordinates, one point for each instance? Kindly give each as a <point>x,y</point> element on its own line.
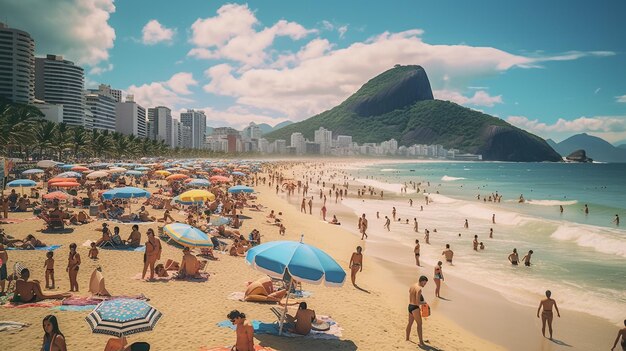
<point>196,121</point>
<point>186,135</point>
<point>264,146</point>
<point>117,94</point>
<point>279,146</point>
<point>103,107</point>
<point>160,119</point>
<point>60,82</point>
<point>176,134</point>
<point>130,118</point>
<point>298,142</point>
<point>324,138</point>
<point>17,65</point>
<point>251,132</point>
<point>51,112</point>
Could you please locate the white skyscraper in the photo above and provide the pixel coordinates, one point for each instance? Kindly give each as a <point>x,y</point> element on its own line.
<point>251,132</point>
<point>17,65</point>
<point>176,134</point>
<point>160,118</point>
<point>130,118</point>
<point>324,137</point>
<point>102,104</point>
<point>60,82</point>
<point>298,142</point>
<point>196,120</point>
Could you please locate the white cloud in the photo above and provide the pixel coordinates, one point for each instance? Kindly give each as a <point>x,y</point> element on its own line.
<point>98,70</point>
<point>480,98</point>
<point>232,35</point>
<point>77,29</point>
<point>342,31</point>
<point>621,98</point>
<point>167,93</point>
<point>610,128</point>
<point>154,32</point>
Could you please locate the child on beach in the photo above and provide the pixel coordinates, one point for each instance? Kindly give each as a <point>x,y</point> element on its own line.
<point>282,229</point>
<point>49,266</point>
<point>93,251</point>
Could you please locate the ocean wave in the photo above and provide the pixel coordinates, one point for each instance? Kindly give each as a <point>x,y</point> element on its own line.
<point>389,170</point>
<point>551,202</point>
<point>605,241</point>
<point>446,178</point>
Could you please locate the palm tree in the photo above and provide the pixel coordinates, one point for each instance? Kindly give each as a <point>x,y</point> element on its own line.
<point>79,139</point>
<point>43,136</point>
<point>14,122</point>
<point>61,140</point>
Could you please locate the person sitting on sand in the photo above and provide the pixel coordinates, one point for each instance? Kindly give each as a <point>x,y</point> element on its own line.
<point>134,239</point>
<point>160,271</point>
<point>334,221</point>
<point>236,249</point>
<point>93,251</point>
<point>106,235</point>
<point>167,217</point>
<point>190,266</point>
<point>244,331</point>
<point>302,322</point>
<point>26,292</point>
<point>262,290</point>
<point>81,218</point>
<point>228,233</point>
<point>144,216</point>
<point>96,283</point>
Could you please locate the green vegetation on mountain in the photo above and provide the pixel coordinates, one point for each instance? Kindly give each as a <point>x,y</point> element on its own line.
<point>399,104</point>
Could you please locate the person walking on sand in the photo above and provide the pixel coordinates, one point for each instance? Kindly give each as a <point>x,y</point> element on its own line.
<point>363,227</point>
<point>310,205</point>
<point>356,264</point>
<point>438,278</point>
<point>416,299</point>
<point>513,257</point>
<point>493,218</point>
<point>448,254</point>
<point>323,210</point>
<point>415,225</point>
<point>416,250</point>
<point>393,213</point>
<point>526,258</point>
<point>387,223</point>
<point>411,202</point>
<point>466,225</point>
<point>546,315</point>
<point>244,331</point>
<point>303,205</point>
<point>73,264</point>
<point>620,334</point>
<point>427,236</point>
<point>490,233</point>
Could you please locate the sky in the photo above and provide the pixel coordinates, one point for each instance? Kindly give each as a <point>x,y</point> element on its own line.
<point>554,68</point>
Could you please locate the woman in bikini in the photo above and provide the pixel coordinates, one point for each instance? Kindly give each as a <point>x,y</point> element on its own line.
<point>73,263</point>
<point>438,278</point>
<point>53,339</point>
<point>153,253</point>
<point>356,264</point>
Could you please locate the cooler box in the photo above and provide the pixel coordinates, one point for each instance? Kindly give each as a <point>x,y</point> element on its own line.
<point>93,210</point>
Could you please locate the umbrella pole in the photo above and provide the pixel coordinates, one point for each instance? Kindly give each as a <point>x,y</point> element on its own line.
<point>284,315</point>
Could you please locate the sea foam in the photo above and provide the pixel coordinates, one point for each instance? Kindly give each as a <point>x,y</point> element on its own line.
<point>446,178</point>
<point>551,202</point>
<point>602,240</point>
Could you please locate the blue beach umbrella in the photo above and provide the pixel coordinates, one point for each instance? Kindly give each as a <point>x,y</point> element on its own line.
<point>240,189</point>
<point>127,192</point>
<point>33,171</point>
<point>236,173</point>
<point>142,169</point>
<point>70,174</point>
<point>134,173</point>
<point>123,317</point>
<point>199,182</point>
<point>21,183</point>
<point>66,166</point>
<point>187,235</point>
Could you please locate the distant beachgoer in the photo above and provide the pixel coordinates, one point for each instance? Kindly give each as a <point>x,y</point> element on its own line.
<point>481,246</point>
<point>416,299</point>
<point>416,251</point>
<point>393,213</point>
<point>377,215</point>
<point>427,236</point>
<point>561,209</point>
<point>244,331</point>
<point>586,209</point>
<point>547,315</point>
<point>4,257</point>
<point>475,243</point>
<point>411,202</point>
<point>282,229</point>
<point>93,251</point>
<point>493,218</point>
<point>620,334</point>
<point>466,225</point>
<point>616,220</point>
<point>73,264</point>
<point>490,232</point>
<point>415,225</point>
<point>364,226</point>
<point>387,223</point>
<point>356,264</point>
<point>49,266</point>
<point>448,253</point>
<point>323,210</point>
<point>53,339</point>
<point>335,221</point>
<point>438,278</point>
<point>303,205</point>
<point>526,258</point>
<point>513,257</point>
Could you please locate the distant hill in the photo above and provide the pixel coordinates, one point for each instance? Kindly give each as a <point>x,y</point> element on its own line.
<point>399,104</point>
<point>552,143</point>
<point>265,128</point>
<point>282,125</point>
<point>596,148</point>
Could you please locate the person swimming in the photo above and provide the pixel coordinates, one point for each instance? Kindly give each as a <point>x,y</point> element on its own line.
<point>513,257</point>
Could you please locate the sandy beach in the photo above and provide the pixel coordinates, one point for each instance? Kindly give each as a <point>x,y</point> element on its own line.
<point>471,317</point>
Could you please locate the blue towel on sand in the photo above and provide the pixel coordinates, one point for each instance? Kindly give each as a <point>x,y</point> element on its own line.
<point>43,248</point>
<point>125,248</point>
<point>259,327</point>
<point>74,308</point>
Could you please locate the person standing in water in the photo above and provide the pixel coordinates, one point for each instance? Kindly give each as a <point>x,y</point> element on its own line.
<point>356,264</point>
<point>466,225</point>
<point>416,299</point>
<point>526,258</point>
<point>547,315</point>
<point>616,220</point>
<point>561,209</point>
<point>491,233</point>
<point>393,213</point>
<point>448,253</point>
<point>475,243</point>
<point>438,278</point>
<point>586,209</point>
<point>514,258</point>
<point>387,223</point>
<point>493,218</point>
<point>416,250</point>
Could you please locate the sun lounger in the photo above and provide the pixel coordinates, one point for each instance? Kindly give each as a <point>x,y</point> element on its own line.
<point>17,274</point>
<point>53,222</point>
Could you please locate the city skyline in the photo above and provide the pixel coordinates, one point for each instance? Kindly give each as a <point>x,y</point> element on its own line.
<point>307,61</point>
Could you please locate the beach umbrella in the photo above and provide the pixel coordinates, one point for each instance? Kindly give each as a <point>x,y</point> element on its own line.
<point>21,183</point>
<point>33,171</point>
<point>240,189</point>
<point>69,175</point>
<point>219,179</point>
<point>196,195</point>
<point>117,170</point>
<point>65,184</point>
<point>163,173</point>
<point>177,199</point>
<point>123,317</point>
<point>218,170</point>
<point>47,163</point>
<point>142,169</point>
<point>134,173</point>
<point>79,168</point>
<point>126,192</point>
<point>60,180</point>
<point>199,182</point>
<point>187,235</point>
<point>295,260</point>
<point>56,195</point>
<point>236,173</point>
<point>67,167</point>
<point>98,175</point>
<point>177,176</point>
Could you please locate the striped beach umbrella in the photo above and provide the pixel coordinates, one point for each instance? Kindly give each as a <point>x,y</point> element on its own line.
<point>123,317</point>
<point>33,171</point>
<point>187,235</point>
<point>240,189</point>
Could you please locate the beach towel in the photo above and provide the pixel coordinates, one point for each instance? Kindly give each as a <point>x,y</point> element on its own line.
<point>43,248</point>
<point>116,248</point>
<point>12,326</point>
<point>83,303</point>
<point>272,328</point>
<point>43,303</point>
<point>229,348</point>
<point>298,294</point>
<point>156,279</point>
<point>11,220</point>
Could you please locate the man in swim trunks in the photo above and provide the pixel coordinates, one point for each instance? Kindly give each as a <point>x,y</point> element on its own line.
<point>415,300</point>
<point>27,292</point>
<point>546,315</point>
<point>244,331</point>
<point>620,334</point>
<point>448,254</point>
<point>514,258</point>
<point>526,258</point>
<point>416,250</point>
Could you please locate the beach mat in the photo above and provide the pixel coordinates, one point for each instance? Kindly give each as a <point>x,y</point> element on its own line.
<point>172,277</point>
<point>57,231</point>
<point>334,332</point>
<point>116,248</point>
<point>12,326</point>
<point>229,348</point>
<point>43,248</point>
<point>44,303</point>
<point>298,294</point>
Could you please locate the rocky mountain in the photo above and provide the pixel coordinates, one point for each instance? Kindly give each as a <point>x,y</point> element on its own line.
<point>596,148</point>
<point>399,104</point>
<point>578,156</point>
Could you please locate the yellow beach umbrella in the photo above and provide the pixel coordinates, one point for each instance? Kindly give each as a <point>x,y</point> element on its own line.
<point>162,173</point>
<point>196,195</point>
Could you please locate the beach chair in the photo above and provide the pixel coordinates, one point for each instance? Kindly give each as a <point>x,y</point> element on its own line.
<point>13,277</point>
<point>52,222</point>
<point>115,241</point>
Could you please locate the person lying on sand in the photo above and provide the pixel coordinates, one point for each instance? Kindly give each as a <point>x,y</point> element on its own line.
<point>262,290</point>
<point>80,218</point>
<point>228,233</point>
<point>26,292</point>
<point>144,215</point>
<point>167,218</point>
<point>29,243</point>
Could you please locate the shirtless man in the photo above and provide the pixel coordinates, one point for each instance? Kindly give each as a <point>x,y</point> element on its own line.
<point>387,223</point>
<point>526,258</point>
<point>415,225</point>
<point>190,266</point>
<point>448,254</point>
<point>466,225</point>
<point>514,258</point>
<point>620,334</point>
<point>363,227</point>
<point>144,216</point>
<point>303,320</point>
<point>416,250</point>
<point>475,243</point>
<point>244,331</point>
<point>303,205</point>
<point>166,217</point>
<point>546,315</point>
<point>26,291</point>
<point>415,300</point>
<point>356,264</point>
<point>616,220</point>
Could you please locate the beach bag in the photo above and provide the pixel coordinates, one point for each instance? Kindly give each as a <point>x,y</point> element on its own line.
<point>425,310</point>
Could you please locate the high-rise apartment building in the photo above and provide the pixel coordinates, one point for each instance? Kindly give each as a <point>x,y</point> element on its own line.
<point>160,118</point>
<point>298,142</point>
<point>251,132</point>
<point>324,137</point>
<point>58,81</point>
<point>103,107</point>
<point>17,65</point>
<point>196,120</point>
<point>130,118</point>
